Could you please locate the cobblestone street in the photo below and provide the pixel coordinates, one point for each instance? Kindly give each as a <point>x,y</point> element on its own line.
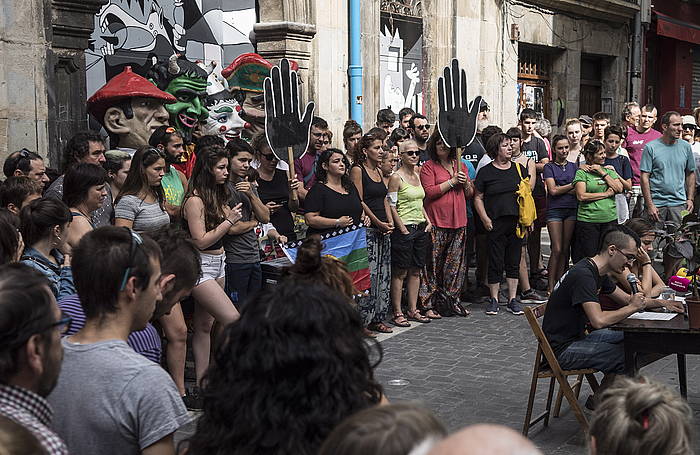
<point>479,369</point>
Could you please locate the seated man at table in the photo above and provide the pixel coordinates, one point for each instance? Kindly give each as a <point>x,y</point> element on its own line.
<point>574,303</point>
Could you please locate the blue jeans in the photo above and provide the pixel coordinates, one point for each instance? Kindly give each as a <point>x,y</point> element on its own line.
<point>602,349</point>
<point>242,280</point>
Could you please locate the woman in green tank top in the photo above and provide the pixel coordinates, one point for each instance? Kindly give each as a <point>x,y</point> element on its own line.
<point>409,241</point>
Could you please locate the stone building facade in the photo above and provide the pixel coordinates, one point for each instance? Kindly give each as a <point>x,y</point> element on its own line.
<point>563,57</point>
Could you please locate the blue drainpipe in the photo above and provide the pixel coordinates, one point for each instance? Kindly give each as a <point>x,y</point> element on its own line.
<point>355,63</point>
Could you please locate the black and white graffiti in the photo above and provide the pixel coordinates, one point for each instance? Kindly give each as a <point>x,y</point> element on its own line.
<point>133,32</point>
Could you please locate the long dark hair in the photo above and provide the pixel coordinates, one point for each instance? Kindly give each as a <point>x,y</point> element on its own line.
<point>431,147</point>
<point>203,185</point>
<point>78,181</point>
<point>137,181</point>
<point>9,236</point>
<point>278,383</point>
<point>365,142</point>
<point>322,174</point>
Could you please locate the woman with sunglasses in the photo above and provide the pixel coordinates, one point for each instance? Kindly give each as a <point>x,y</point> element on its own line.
<point>274,190</point>
<point>84,191</point>
<point>368,179</point>
<point>409,241</point>
<point>141,202</point>
<point>208,218</point>
<point>596,187</point>
<point>168,140</point>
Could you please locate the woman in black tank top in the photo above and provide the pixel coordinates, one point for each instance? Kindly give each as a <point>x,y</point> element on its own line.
<point>368,179</point>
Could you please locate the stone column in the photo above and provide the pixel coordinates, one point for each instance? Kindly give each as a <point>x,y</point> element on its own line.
<point>71,24</point>
<point>287,39</point>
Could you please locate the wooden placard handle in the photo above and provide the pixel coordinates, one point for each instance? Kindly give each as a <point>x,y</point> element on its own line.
<point>292,174</point>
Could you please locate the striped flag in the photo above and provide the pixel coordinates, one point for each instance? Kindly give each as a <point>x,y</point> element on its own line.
<point>347,244</point>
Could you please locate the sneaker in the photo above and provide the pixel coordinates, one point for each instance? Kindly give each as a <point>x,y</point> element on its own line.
<point>193,400</point>
<point>514,307</point>
<point>492,306</point>
<point>532,296</point>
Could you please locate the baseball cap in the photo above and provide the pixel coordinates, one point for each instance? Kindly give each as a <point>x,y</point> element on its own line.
<point>586,120</point>
<point>689,120</point>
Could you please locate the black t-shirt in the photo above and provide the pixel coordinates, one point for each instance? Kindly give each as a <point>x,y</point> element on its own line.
<point>423,156</point>
<point>565,320</point>
<point>474,151</point>
<point>499,187</point>
<point>536,149</point>
<point>277,190</point>
<point>331,204</point>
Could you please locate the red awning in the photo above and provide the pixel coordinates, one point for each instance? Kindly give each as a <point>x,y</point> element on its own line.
<point>677,29</point>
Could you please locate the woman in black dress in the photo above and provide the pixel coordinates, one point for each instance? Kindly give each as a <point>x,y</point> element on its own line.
<point>274,190</point>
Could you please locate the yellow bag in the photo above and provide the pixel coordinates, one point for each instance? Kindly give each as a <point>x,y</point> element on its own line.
<point>526,204</point>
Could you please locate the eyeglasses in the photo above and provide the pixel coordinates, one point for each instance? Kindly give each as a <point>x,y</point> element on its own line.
<point>394,160</point>
<point>630,257</point>
<point>411,153</point>
<point>63,324</point>
<point>326,142</point>
<point>136,242</point>
<point>423,127</point>
<point>269,156</point>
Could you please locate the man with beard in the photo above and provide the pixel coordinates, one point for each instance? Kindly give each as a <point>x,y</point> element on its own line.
<point>31,326</point>
<point>475,151</point>
<point>130,108</point>
<point>187,82</point>
<point>174,182</point>
<point>420,129</point>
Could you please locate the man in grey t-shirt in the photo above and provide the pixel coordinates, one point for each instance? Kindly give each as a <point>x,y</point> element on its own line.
<point>109,399</point>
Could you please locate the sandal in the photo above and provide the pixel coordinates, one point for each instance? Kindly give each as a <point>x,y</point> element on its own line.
<point>432,314</point>
<point>368,333</point>
<point>380,327</point>
<point>399,320</point>
<point>416,316</point>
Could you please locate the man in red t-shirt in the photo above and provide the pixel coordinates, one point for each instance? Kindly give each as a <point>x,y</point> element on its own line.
<point>637,138</point>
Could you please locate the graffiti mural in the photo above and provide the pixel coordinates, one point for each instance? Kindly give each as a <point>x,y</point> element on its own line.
<point>401,61</point>
<point>134,32</point>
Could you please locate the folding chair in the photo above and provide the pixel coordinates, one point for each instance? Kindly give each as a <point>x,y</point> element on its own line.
<point>547,366</point>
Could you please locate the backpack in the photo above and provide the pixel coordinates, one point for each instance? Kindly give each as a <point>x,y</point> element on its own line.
<point>526,204</point>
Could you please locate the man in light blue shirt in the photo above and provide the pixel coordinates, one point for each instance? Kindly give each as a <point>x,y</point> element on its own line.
<point>668,177</point>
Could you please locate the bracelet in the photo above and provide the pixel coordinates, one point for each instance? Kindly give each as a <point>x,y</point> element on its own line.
<point>646,263</point>
<point>229,221</point>
<point>337,222</point>
<point>449,182</point>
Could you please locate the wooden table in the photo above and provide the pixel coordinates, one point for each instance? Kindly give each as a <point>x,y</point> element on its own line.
<point>659,337</point>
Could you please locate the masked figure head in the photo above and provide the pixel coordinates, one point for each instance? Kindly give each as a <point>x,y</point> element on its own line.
<point>224,119</point>
<point>187,82</point>
<point>130,108</point>
<point>245,77</point>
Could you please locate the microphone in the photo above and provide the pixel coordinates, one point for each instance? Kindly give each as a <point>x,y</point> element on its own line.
<point>633,280</point>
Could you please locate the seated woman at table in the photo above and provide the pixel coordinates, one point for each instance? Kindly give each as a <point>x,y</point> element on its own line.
<point>650,283</point>
<point>641,417</point>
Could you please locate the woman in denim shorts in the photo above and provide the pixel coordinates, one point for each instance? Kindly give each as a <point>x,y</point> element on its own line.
<point>208,218</point>
<point>561,206</point>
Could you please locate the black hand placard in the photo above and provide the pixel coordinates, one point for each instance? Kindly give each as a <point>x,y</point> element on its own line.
<point>457,117</point>
<point>286,130</point>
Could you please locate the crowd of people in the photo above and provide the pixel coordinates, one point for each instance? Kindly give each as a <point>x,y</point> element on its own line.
<point>124,251</point>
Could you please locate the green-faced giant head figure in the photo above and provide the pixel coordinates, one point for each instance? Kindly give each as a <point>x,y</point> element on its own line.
<point>187,82</point>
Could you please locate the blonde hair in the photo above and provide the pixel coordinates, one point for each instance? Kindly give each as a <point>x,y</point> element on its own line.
<point>571,121</point>
<point>640,417</point>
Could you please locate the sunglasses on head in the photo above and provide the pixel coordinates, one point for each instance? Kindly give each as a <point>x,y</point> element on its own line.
<point>411,153</point>
<point>136,242</point>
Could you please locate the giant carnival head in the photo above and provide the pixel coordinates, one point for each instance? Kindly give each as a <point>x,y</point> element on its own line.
<point>224,107</point>
<point>130,108</point>
<point>187,82</point>
<point>245,77</point>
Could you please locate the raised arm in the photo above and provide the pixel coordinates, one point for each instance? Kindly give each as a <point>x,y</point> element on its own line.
<point>193,211</point>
